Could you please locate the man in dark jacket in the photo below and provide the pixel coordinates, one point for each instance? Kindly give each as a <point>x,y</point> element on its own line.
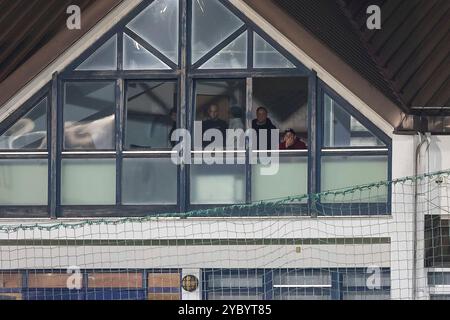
<point>214,122</point>
<point>262,122</point>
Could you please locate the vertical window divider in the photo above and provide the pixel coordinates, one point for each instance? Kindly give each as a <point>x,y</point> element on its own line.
<point>120,109</point>
<point>250,48</point>
<point>248,155</point>
<point>314,134</point>
<point>184,89</point>
<point>53,147</point>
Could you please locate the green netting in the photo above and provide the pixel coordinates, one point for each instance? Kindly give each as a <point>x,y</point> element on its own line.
<point>385,240</point>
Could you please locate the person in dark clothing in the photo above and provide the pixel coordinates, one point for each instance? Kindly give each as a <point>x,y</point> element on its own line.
<point>213,122</point>
<point>291,141</point>
<point>262,122</point>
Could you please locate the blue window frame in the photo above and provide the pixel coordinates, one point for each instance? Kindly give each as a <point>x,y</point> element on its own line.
<point>140,57</point>
<point>45,287</point>
<point>284,284</point>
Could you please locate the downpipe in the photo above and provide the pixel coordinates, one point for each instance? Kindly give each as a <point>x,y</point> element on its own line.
<point>424,139</point>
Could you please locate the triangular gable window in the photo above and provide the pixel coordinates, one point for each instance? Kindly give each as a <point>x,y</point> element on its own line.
<point>104,58</point>
<point>342,130</point>
<point>266,56</point>
<point>233,56</point>
<point>158,26</point>
<point>29,132</point>
<point>212,23</point>
<point>136,57</point>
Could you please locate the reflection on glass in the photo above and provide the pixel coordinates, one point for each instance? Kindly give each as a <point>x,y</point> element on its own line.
<point>158,25</point>
<point>212,23</point>
<point>233,56</point>
<point>217,184</point>
<point>23,182</point>
<point>89,115</point>
<point>88,182</point>
<point>266,56</point>
<point>343,130</point>
<point>29,132</point>
<point>281,103</point>
<point>149,182</point>
<point>104,58</point>
<point>136,57</point>
<point>340,172</point>
<point>221,105</point>
<point>290,180</point>
<point>151,114</point>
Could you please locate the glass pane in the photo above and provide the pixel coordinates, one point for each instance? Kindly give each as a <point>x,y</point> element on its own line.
<point>291,180</point>
<point>151,114</point>
<point>149,181</point>
<point>348,171</point>
<point>104,58</point>
<point>136,57</point>
<point>158,25</point>
<point>234,296</point>
<point>367,295</point>
<point>281,103</point>
<point>29,132</point>
<point>23,182</point>
<point>302,294</point>
<point>89,115</point>
<point>241,280</point>
<point>207,32</point>
<point>302,278</point>
<point>266,56</point>
<point>343,130</point>
<point>217,184</point>
<point>220,105</point>
<point>88,182</point>
<point>437,243</point>
<point>233,56</point>
<point>354,279</point>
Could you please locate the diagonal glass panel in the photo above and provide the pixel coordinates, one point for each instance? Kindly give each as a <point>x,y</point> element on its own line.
<point>158,25</point>
<point>233,56</point>
<point>136,57</point>
<point>343,130</point>
<point>266,56</point>
<point>29,132</point>
<point>212,23</point>
<point>104,58</point>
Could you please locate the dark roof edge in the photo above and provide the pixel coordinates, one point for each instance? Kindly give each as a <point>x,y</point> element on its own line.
<point>329,60</point>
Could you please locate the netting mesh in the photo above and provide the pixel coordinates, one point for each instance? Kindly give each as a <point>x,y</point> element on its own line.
<point>387,240</point>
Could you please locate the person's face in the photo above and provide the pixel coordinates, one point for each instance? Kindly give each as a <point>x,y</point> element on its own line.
<point>213,112</point>
<point>289,136</point>
<point>261,115</point>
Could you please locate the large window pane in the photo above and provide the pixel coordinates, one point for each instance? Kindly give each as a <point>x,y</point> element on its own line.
<point>212,23</point>
<point>151,114</point>
<point>281,103</point>
<point>88,182</point>
<point>158,25</point>
<point>23,182</point>
<point>89,120</point>
<point>217,184</point>
<point>233,56</point>
<point>290,180</point>
<point>343,130</point>
<point>348,171</point>
<point>149,181</point>
<point>221,105</point>
<point>29,132</point>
